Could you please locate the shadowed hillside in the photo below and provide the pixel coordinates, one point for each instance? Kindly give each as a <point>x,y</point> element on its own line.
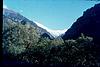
<point>88,24</point>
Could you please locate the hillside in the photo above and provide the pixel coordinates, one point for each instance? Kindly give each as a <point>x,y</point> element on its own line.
<point>12,16</point>
<point>88,24</point>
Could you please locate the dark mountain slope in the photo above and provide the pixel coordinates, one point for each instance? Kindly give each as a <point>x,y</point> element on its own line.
<point>88,24</point>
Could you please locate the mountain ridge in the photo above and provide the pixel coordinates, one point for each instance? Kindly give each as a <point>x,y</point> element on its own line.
<point>18,18</point>
<point>88,24</point>
<point>15,16</point>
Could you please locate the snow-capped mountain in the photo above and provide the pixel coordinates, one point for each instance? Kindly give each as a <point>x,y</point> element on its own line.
<point>18,18</point>
<point>54,33</point>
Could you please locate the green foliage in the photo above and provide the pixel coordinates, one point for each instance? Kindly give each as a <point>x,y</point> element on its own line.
<point>18,38</point>
<point>79,52</point>
<point>71,52</point>
<point>25,44</point>
<point>57,41</point>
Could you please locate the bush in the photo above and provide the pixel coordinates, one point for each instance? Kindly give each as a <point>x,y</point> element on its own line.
<point>18,38</point>
<point>26,45</point>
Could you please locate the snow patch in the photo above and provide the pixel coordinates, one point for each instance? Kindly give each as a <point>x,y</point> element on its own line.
<point>54,33</point>
<point>5,6</point>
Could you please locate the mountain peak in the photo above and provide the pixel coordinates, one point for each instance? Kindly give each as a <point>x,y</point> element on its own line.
<point>54,33</point>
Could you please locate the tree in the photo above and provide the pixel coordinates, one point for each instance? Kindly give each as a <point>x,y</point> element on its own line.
<point>18,38</point>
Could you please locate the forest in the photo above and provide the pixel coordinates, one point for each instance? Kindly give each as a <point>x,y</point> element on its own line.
<point>23,44</point>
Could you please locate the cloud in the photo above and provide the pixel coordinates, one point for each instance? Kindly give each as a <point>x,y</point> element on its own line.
<point>5,6</point>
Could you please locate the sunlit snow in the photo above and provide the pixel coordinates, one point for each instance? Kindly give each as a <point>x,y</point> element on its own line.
<point>55,33</point>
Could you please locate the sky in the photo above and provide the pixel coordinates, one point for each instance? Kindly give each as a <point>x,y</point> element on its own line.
<point>54,14</point>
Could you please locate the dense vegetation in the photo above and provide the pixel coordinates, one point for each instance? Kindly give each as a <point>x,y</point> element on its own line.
<point>23,43</point>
